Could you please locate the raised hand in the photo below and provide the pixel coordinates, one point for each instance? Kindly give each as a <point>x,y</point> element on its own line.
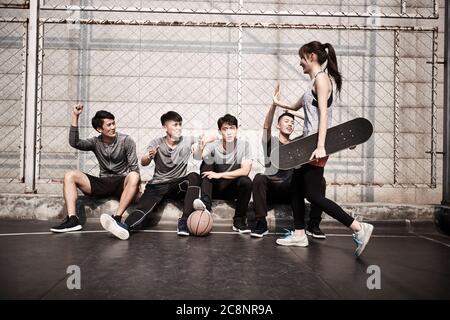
<point>77,109</point>
<point>196,147</point>
<point>277,95</point>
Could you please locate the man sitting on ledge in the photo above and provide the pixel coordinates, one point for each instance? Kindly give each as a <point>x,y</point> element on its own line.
<point>119,170</point>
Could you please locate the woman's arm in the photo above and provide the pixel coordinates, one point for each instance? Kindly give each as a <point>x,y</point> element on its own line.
<point>297,114</point>
<point>322,87</point>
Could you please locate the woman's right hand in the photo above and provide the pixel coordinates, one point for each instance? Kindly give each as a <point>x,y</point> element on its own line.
<point>319,153</point>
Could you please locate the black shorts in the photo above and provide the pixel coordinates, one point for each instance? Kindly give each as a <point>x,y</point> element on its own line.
<point>106,187</point>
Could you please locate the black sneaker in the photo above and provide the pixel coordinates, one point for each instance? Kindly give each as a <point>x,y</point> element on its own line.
<point>315,232</point>
<point>117,218</point>
<point>182,227</point>
<point>240,226</point>
<point>260,228</point>
<point>69,224</point>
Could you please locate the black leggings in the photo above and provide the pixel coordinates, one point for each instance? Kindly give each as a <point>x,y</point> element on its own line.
<point>307,184</point>
<point>266,190</point>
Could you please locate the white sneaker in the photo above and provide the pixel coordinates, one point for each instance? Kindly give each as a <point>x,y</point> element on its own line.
<point>362,237</point>
<point>198,204</point>
<point>111,225</point>
<point>292,240</point>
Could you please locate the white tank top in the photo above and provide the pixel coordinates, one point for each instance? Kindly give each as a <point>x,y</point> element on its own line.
<point>311,109</point>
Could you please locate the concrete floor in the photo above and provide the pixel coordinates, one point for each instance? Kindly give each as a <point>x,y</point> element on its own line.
<point>158,264</point>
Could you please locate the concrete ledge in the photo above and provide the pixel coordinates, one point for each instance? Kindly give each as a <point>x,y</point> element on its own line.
<point>50,207</point>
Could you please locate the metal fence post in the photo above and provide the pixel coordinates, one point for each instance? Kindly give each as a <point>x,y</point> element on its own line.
<point>442,214</point>
<point>239,65</point>
<point>433,108</point>
<point>31,98</point>
<point>396,105</point>
<point>446,164</point>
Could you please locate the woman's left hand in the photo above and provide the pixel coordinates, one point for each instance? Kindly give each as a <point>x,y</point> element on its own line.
<point>318,153</point>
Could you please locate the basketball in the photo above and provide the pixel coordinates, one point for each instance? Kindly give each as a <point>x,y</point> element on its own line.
<point>200,223</point>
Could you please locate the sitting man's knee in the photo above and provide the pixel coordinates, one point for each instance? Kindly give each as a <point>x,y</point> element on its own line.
<point>245,182</point>
<point>133,177</point>
<point>194,179</point>
<point>71,176</point>
<point>259,178</point>
<point>206,167</point>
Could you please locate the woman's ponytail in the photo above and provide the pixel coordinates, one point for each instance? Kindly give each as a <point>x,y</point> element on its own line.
<point>332,66</point>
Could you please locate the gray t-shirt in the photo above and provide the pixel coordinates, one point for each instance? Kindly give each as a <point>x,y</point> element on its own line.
<point>273,173</point>
<point>117,158</point>
<point>227,160</point>
<point>170,163</point>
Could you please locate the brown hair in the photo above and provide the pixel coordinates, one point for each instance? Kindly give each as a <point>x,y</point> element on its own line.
<point>322,55</point>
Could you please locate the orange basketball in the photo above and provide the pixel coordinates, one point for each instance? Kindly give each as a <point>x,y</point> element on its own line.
<point>200,223</point>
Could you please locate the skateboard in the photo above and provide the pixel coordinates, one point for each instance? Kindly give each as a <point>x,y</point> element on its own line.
<point>343,136</point>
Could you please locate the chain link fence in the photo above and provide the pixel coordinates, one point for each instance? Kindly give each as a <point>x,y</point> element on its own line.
<point>14,4</point>
<point>137,73</point>
<point>427,9</point>
<point>388,80</point>
<point>12,82</point>
<point>140,71</point>
<point>107,56</point>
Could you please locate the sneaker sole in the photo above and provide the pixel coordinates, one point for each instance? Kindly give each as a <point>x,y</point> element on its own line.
<point>259,235</point>
<point>109,224</point>
<point>363,247</point>
<point>182,233</point>
<point>315,236</point>
<point>198,205</point>
<point>292,244</point>
<point>241,231</point>
<point>76,228</point>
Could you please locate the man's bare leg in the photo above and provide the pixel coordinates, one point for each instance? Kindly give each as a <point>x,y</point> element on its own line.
<point>74,180</point>
<point>130,191</point>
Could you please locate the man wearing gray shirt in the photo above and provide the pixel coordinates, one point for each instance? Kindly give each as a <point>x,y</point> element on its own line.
<point>119,170</point>
<point>171,155</point>
<point>225,168</point>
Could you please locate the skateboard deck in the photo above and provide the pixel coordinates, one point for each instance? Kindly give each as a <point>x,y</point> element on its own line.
<point>343,136</point>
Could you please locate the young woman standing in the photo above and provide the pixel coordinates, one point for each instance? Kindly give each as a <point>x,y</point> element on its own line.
<point>319,62</point>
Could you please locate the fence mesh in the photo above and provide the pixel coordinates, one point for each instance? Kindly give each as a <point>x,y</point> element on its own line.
<point>12,67</point>
<point>139,69</point>
<point>352,8</point>
<point>15,4</point>
<point>139,72</point>
<point>366,59</point>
